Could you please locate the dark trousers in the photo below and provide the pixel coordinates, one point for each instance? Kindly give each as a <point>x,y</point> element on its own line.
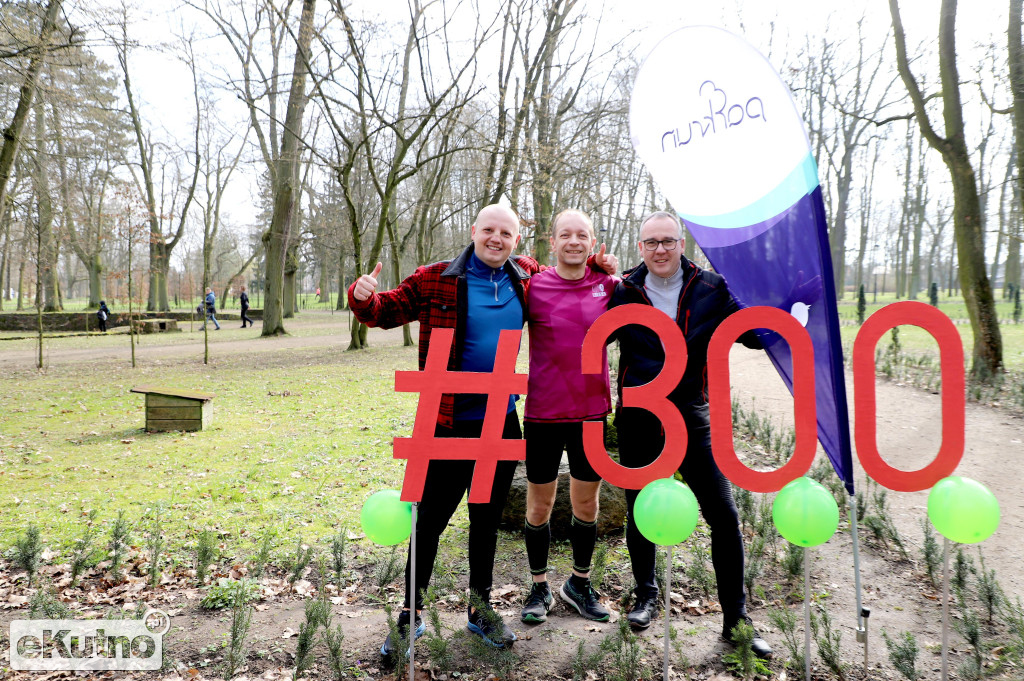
<point>640,440</point>
<point>245,317</point>
<point>103,324</point>
<point>447,482</point>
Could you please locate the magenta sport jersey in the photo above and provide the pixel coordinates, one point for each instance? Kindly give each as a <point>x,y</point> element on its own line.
<point>560,312</point>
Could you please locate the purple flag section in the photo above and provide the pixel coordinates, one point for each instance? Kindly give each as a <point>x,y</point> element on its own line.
<point>726,144</point>
<point>789,266</point>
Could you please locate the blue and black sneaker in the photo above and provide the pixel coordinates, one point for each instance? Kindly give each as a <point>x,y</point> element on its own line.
<point>389,646</point>
<point>488,625</point>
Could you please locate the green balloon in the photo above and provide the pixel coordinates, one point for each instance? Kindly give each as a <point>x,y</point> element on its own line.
<point>805,513</point>
<point>386,519</point>
<point>665,512</point>
<point>963,510</point>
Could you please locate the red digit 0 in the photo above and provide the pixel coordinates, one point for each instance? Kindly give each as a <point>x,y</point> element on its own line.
<point>951,354</point>
<point>720,399</point>
<point>651,396</point>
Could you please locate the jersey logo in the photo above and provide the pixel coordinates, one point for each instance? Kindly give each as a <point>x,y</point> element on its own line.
<point>598,291</point>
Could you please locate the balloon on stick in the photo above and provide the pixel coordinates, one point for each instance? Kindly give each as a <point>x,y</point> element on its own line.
<point>963,510</point>
<point>665,512</point>
<point>805,513</point>
<point>386,519</point>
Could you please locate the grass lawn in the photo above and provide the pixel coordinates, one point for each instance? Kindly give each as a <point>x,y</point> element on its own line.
<point>916,341</point>
<point>300,437</point>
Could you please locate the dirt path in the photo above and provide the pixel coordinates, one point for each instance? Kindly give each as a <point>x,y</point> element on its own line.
<point>909,436</point>
<point>315,332</point>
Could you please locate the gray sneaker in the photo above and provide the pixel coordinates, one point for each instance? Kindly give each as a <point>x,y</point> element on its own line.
<point>538,604</point>
<point>584,601</point>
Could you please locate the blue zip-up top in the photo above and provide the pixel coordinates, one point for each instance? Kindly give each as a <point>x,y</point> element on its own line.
<point>492,306</point>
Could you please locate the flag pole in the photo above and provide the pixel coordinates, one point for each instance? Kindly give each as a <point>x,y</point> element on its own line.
<point>862,624</point>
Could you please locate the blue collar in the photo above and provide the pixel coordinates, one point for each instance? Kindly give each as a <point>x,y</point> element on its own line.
<point>481,269</point>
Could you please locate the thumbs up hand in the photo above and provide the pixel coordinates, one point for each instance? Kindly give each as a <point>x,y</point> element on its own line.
<point>366,285</point>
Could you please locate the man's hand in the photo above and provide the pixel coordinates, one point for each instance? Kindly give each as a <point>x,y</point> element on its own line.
<point>606,261</point>
<point>366,285</point>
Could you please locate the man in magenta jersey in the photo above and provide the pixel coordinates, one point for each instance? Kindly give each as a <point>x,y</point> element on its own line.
<point>562,303</point>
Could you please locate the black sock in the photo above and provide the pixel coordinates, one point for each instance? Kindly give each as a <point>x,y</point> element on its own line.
<point>578,583</point>
<point>538,541</point>
<point>583,536</point>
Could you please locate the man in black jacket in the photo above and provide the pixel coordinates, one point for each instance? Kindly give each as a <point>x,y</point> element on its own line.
<point>243,298</point>
<point>699,301</point>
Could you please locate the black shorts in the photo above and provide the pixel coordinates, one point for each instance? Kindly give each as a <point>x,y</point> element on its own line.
<point>544,445</point>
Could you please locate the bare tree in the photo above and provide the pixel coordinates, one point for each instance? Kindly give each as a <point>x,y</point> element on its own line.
<point>386,135</point>
<point>160,245</point>
<point>968,222</point>
<point>1016,60</point>
<point>857,103</point>
<point>12,133</point>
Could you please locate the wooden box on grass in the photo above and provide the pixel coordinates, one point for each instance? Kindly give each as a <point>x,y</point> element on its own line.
<point>171,409</point>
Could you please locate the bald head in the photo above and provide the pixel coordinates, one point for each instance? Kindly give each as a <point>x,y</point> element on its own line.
<point>496,211</point>
<point>495,233</point>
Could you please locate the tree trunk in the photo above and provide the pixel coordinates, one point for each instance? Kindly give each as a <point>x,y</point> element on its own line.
<point>1016,61</point>
<point>917,219</point>
<point>21,284</point>
<point>47,262</point>
<point>5,293</point>
<point>291,266</point>
<point>837,239</point>
<point>12,134</point>
<point>396,275</point>
<point>967,218</point>
<point>286,189</point>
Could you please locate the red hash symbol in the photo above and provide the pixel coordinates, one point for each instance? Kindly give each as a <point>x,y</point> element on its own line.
<point>436,380</point>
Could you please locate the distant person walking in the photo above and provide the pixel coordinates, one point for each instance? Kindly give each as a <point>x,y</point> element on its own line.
<point>243,297</point>
<point>211,309</point>
<point>102,315</point>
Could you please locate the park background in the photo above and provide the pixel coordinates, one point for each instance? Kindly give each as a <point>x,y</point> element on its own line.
<point>163,152</point>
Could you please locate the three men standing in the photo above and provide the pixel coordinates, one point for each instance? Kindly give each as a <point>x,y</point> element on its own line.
<point>484,290</point>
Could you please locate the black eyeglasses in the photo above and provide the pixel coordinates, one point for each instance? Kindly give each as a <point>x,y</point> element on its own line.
<point>667,244</point>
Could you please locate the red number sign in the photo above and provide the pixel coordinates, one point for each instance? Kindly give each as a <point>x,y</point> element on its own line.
<point>651,396</point>
<point>802,349</point>
<point>951,354</point>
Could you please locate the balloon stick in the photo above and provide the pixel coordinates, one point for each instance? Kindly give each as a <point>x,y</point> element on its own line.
<point>412,593</point>
<point>668,603</point>
<point>807,614</point>
<point>945,608</point>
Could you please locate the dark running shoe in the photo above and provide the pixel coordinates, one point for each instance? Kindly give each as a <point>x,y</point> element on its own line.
<point>538,604</point>
<point>388,648</point>
<point>644,610</point>
<point>758,645</point>
<point>488,625</point>
<point>584,601</point>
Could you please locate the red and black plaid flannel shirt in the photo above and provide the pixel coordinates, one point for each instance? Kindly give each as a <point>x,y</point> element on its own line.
<point>430,297</point>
